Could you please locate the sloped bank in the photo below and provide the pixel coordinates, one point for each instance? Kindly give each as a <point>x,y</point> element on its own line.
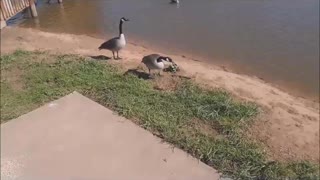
<point>208,124</point>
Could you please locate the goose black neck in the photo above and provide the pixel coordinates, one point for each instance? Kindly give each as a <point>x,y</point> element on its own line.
<point>120,27</point>
<point>159,59</point>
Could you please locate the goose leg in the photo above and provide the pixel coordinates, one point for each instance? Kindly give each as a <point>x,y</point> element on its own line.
<point>118,55</point>
<point>113,55</point>
<point>150,75</point>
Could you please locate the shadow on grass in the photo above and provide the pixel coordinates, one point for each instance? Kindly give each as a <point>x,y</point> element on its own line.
<point>100,57</point>
<point>135,72</point>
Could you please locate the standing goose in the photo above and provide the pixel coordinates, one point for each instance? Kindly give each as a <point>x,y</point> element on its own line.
<point>155,61</point>
<point>117,43</point>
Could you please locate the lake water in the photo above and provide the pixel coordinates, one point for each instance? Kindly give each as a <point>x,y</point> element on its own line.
<point>277,40</point>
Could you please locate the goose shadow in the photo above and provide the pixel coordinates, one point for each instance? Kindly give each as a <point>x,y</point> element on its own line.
<point>137,73</point>
<point>100,58</point>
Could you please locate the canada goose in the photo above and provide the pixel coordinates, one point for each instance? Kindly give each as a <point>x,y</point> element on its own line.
<point>155,61</point>
<point>117,43</point>
<point>175,1</point>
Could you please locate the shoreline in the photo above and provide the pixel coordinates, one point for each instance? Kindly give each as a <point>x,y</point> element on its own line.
<point>293,89</point>
<point>287,130</point>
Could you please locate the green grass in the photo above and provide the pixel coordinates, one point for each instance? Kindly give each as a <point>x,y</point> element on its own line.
<point>173,116</point>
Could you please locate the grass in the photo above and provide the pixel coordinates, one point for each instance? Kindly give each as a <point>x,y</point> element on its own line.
<point>174,116</point>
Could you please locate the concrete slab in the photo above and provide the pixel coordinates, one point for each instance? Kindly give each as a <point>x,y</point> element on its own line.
<point>76,138</point>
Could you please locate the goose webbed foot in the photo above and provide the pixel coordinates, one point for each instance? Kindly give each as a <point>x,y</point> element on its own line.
<point>118,57</point>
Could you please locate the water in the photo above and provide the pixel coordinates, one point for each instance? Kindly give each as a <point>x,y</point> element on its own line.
<point>277,40</point>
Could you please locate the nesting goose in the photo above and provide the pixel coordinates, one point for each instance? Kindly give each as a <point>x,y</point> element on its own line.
<point>117,43</point>
<point>155,61</point>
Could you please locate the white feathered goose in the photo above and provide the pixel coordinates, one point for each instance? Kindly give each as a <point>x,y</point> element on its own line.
<point>155,61</point>
<point>117,43</point>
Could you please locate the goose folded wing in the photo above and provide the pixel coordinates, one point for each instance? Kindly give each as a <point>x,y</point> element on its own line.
<point>110,44</point>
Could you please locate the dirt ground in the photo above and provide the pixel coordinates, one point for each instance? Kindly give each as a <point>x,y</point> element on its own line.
<point>288,126</point>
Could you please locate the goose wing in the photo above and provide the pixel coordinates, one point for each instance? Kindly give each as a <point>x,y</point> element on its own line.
<point>151,61</point>
<point>150,58</point>
<point>110,44</point>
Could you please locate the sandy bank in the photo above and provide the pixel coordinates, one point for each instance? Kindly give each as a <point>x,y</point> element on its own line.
<point>288,127</point>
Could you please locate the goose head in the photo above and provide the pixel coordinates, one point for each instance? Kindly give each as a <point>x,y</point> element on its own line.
<point>168,59</point>
<point>164,59</point>
<point>123,19</point>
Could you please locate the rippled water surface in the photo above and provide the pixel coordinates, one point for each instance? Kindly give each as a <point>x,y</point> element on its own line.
<point>277,40</point>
